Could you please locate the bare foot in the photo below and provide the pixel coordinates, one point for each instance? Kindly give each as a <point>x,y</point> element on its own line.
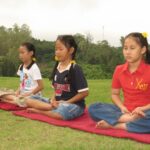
<point>33,110</point>
<point>103,124</point>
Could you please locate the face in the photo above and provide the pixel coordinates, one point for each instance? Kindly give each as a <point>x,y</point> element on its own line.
<point>62,52</point>
<point>24,54</point>
<point>132,50</point>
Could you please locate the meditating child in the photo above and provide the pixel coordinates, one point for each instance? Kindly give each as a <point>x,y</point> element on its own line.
<point>30,77</point>
<point>133,78</point>
<point>68,81</point>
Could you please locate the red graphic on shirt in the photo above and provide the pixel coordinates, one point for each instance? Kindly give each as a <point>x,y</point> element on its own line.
<point>59,88</point>
<point>24,80</point>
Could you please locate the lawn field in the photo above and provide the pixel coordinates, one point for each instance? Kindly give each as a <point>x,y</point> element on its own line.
<point>17,133</point>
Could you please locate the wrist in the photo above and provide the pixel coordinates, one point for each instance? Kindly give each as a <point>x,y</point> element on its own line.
<point>144,108</point>
<point>17,91</point>
<point>121,106</point>
<point>69,101</point>
<point>30,93</point>
<point>52,99</point>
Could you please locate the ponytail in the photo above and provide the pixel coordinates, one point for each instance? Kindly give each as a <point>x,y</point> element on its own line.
<point>54,71</point>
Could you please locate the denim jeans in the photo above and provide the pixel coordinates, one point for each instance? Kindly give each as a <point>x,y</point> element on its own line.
<point>40,98</point>
<point>69,111</point>
<point>111,113</point>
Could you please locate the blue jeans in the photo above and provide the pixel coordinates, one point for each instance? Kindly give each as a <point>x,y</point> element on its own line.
<point>111,113</point>
<point>69,111</point>
<point>37,96</point>
<point>40,98</point>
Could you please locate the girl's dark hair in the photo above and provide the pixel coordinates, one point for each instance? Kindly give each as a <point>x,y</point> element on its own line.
<point>30,47</point>
<point>142,41</point>
<point>69,42</point>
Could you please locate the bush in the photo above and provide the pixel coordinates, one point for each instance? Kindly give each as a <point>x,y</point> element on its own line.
<point>95,72</point>
<point>8,68</point>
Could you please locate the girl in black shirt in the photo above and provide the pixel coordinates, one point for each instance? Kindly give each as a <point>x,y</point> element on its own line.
<point>68,81</point>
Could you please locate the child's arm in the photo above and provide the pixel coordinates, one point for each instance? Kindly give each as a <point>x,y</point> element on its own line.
<point>39,88</point>
<point>140,110</point>
<point>147,107</point>
<point>117,101</point>
<point>53,101</point>
<point>78,97</point>
<point>17,91</point>
<point>53,97</point>
<point>80,84</point>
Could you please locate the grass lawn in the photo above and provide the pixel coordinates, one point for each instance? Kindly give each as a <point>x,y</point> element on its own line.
<point>17,133</point>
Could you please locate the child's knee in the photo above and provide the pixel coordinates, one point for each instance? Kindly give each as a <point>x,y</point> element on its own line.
<point>30,102</point>
<point>92,110</point>
<point>56,115</point>
<point>93,107</point>
<point>48,107</point>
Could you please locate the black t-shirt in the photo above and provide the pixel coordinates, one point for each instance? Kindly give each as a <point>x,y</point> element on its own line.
<point>64,89</point>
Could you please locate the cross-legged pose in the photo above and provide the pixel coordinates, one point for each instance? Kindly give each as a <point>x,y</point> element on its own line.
<point>133,113</point>
<point>30,77</point>
<point>68,81</point>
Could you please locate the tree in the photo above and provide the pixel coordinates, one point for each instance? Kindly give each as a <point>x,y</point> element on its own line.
<point>3,41</point>
<point>8,68</point>
<point>17,35</point>
<point>122,40</point>
<point>97,59</point>
<point>10,40</point>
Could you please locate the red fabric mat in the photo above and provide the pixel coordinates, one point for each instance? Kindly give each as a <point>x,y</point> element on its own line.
<point>85,123</point>
<point>9,107</point>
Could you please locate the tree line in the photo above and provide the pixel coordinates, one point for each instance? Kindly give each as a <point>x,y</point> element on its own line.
<point>98,60</point>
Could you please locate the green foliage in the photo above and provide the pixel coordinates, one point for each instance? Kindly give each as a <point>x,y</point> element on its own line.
<point>98,60</point>
<point>44,50</point>
<point>10,39</point>
<point>8,68</point>
<point>94,72</point>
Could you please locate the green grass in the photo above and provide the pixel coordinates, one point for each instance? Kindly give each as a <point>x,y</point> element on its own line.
<point>17,133</point>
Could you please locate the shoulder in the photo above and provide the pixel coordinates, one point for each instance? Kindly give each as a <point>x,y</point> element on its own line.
<point>120,68</point>
<point>147,66</point>
<point>77,67</point>
<point>34,67</point>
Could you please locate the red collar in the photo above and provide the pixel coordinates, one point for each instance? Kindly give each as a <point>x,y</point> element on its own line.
<point>140,68</point>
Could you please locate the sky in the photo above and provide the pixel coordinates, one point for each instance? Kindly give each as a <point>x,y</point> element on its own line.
<point>103,19</point>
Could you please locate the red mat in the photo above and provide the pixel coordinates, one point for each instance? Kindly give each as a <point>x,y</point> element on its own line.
<point>84,123</point>
<point>9,107</point>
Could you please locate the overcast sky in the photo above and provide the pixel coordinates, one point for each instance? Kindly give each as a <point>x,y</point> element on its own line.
<point>48,18</point>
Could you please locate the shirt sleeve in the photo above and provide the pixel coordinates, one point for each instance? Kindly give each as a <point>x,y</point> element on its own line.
<point>115,81</point>
<point>80,80</point>
<point>36,74</point>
